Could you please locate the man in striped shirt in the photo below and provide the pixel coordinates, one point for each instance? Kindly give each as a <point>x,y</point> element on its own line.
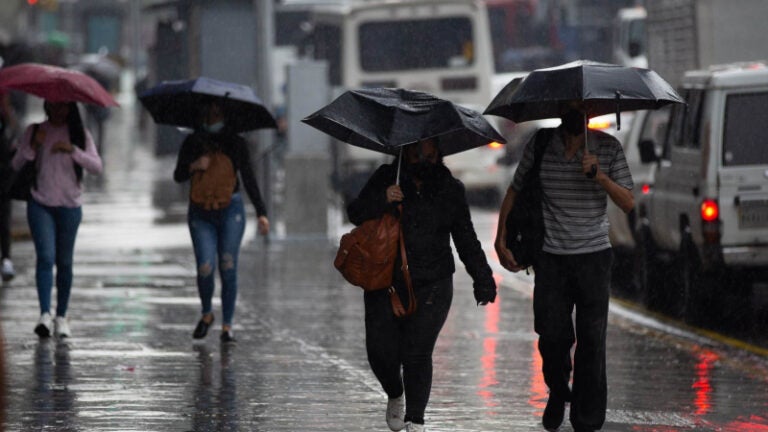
<point>574,267</point>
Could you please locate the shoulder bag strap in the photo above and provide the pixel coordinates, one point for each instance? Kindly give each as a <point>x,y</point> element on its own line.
<point>397,305</point>
<point>542,140</point>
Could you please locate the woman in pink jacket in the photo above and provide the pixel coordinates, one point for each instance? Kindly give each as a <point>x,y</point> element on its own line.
<point>61,148</point>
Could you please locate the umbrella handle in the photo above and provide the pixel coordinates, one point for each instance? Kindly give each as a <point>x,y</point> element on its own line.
<point>399,163</point>
<point>593,169</point>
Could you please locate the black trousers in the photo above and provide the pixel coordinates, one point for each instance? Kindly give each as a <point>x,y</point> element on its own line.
<point>394,343</point>
<point>5,227</point>
<point>563,282</point>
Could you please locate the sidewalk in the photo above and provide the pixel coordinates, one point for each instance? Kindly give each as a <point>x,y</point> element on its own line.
<point>299,363</point>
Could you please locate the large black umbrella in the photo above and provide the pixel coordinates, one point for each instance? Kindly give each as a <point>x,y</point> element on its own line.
<point>604,88</point>
<point>385,119</point>
<point>178,103</point>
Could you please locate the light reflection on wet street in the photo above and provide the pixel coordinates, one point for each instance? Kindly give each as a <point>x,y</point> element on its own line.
<point>299,364</point>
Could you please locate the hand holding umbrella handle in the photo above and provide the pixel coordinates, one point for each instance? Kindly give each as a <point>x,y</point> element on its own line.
<point>592,169</point>
<point>592,172</point>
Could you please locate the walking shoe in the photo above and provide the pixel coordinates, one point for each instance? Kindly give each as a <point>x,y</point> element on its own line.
<point>43,328</point>
<point>414,427</point>
<point>202,328</point>
<point>396,412</point>
<point>62,327</point>
<point>7,270</point>
<point>553,413</point>
<point>227,336</point>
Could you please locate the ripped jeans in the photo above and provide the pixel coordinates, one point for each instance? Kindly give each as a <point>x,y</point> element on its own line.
<point>217,234</point>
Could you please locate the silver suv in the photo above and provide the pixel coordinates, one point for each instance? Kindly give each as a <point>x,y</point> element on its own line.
<point>704,238</point>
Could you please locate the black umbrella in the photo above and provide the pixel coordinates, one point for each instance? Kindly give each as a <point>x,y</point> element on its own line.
<point>604,88</point>
<point>385,119</point>
<point>178,103</point>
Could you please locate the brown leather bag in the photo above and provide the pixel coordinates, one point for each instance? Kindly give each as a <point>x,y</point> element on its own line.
<point>212,189</point>
<point>366,258</point>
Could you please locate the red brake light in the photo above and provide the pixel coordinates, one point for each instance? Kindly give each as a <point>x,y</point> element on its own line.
<point>709,210</point>
<point>646,189</point>
<point>495,145</point>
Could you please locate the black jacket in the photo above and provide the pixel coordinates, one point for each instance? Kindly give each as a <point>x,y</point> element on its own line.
<point>232,145</point>
<point>429,220</point>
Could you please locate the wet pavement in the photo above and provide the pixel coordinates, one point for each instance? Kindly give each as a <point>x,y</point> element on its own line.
<point>299,363</point>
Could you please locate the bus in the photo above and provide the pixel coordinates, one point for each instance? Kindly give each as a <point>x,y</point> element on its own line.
<point>440,47</point>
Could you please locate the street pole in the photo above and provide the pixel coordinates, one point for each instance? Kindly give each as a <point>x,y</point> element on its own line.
<point>135,37</point>
<point>265,31</point>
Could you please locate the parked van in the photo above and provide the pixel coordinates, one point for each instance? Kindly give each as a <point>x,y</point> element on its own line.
<point>707,214</point>
<point>639,127</point>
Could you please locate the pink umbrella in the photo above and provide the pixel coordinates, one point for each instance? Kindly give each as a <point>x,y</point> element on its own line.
<point>55,84</point>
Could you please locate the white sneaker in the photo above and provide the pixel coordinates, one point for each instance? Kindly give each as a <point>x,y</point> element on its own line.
<point>62,327</point>
<point>7,270</point>
<point>43,327</point>
<point>414,427</point>
<point>396,412</point>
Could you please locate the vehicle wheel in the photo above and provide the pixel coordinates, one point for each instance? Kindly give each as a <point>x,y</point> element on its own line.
<point>695,288</point>
<point>648,271</point>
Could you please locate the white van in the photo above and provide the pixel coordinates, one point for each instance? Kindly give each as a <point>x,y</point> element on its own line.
<point>707,214</point>
<point>440,47</point>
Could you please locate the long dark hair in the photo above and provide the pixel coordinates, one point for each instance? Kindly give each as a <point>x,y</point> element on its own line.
<point>76,130</point>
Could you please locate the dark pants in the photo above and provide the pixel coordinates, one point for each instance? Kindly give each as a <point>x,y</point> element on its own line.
<point>563,282</point>
<point>5,227</point>
<point>408,342</point>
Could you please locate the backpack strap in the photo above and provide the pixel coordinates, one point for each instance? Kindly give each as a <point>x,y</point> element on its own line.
<point>543,137</point>
<point>397,305</point>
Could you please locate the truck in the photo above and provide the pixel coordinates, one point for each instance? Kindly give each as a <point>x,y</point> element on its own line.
<point>685,35</point>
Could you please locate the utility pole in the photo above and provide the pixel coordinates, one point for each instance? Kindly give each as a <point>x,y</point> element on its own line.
<point>265,31</point>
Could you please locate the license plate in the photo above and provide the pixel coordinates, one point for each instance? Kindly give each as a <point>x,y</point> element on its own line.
<point>753,214</point>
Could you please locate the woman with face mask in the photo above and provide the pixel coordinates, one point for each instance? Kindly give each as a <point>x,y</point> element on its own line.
<point>62,149</point>
<point>434,211</point>
<point>216,161</point>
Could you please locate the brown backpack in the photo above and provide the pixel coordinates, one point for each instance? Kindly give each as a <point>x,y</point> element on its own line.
<point>212,189</point>
<point>366,258</point>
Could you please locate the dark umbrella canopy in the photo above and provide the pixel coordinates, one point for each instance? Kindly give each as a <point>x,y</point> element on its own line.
<point>179,103</point>
<point>385,119</point>
<point>604,88</point>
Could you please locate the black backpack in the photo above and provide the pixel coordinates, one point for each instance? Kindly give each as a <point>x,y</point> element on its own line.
<point>525,222</point>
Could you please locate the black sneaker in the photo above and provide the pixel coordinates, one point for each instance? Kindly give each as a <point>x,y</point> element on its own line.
<point>202,328</point>
<point>553,413</point>
<point>227,336</point>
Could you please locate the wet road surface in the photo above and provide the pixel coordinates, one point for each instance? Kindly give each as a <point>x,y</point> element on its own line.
<point>299,364</point>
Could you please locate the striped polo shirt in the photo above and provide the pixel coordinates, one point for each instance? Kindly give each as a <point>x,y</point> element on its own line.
<point>574,206</point>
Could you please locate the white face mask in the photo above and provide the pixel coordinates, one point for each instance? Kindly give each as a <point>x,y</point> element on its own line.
<point>214,128</point>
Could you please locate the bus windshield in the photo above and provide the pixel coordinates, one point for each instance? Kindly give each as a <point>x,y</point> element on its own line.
<point>416,44</point>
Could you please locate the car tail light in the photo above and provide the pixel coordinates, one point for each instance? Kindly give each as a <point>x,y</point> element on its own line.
<point>495,145</point>
<point>646,189</point>
<point>710,211</point>
<point>710,226</point>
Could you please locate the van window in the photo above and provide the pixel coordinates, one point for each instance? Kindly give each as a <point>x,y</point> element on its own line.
<point>416,44</point>
<point>745,136</point>
<point>686,120</point>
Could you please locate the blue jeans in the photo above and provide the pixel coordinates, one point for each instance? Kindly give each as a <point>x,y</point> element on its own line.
<point>54,230</point>
<point>217,233</point>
